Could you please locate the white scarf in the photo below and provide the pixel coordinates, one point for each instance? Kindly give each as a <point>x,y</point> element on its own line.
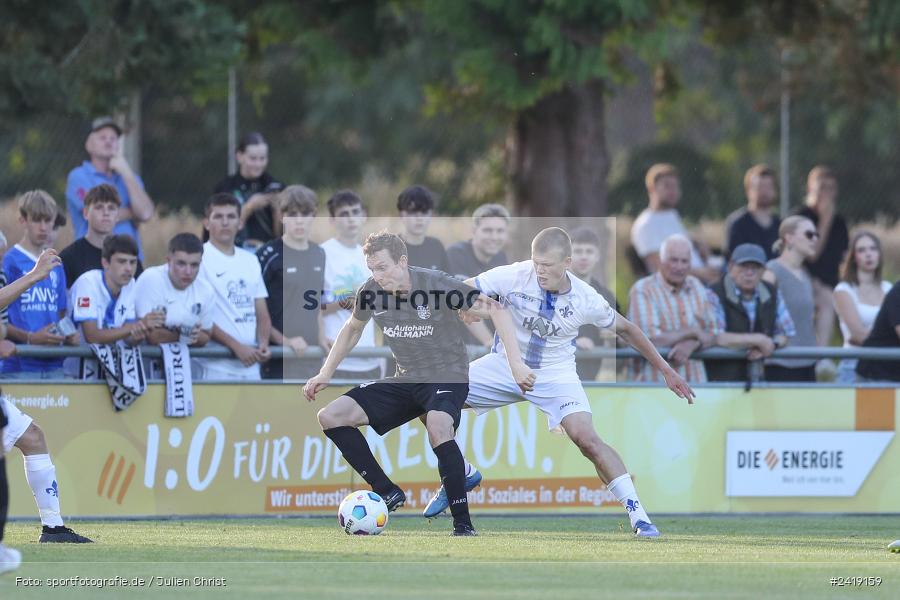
<point>123,369</point>
<point>179,386</point>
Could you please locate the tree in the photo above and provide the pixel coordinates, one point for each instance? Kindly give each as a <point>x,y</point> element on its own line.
<point>540,69</point>
<point>843,60</point>
<point>545,67</point>
<point>88,57</point>
<point>62,63</point>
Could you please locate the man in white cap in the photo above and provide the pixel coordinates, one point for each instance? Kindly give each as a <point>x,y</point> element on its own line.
<point>107,164</point>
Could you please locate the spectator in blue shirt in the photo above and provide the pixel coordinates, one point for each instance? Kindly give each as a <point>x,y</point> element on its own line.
<point>107,164</point>
<point>34,315</point>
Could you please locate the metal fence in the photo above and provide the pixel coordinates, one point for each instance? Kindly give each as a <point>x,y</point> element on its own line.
<point>816,352</point>
<point>215,351</point>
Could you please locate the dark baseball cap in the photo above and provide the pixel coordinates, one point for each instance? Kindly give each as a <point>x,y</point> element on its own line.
<point>746,253</point>
<point>105,121</point>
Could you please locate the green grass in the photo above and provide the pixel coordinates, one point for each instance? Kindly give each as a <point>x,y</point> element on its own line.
<point>515,558</point>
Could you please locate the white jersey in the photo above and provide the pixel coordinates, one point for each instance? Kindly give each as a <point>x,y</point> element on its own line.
<point>345,272</point>
<point>546,323</point>
<point>653,226</point>
<point>90,300</point>
<point>237,283</point>
<point>184,308</point>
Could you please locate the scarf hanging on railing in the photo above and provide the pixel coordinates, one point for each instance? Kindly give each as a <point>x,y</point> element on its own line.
<point>179,386</point>
<point>123,369</point>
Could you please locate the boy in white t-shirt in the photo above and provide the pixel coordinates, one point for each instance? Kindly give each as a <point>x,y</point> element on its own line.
<point>102,301</point>
<point>345,271</point>
<point>175,290</point>
<point>661,219</point>
<point>240,317</point>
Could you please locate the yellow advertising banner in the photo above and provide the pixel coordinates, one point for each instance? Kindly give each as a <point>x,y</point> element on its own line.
<point>258,449</point>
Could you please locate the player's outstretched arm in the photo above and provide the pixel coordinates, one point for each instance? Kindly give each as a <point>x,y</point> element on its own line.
<point>46,262</point>
<point>346,340</point>
<point>506,330</point>
<point>634,337</point>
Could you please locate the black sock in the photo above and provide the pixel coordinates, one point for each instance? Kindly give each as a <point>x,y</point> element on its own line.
<point>352,444</point>
<point>452,468</point>
<point>4,495</point>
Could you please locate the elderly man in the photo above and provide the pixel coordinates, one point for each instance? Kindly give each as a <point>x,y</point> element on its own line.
<point>750,313</point>
<point>107,164</point>
<point>672,308</point>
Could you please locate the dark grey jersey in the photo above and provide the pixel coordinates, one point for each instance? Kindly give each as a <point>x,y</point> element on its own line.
<point>422,327</point>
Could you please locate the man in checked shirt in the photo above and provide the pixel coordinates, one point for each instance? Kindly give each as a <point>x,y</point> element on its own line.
<point>672,308</point>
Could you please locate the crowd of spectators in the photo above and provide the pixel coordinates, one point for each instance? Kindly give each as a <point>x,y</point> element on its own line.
<point>783,281</point>
<point>256,279</point>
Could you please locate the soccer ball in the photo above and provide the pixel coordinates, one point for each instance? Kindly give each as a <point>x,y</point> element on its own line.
<point>363,513</point>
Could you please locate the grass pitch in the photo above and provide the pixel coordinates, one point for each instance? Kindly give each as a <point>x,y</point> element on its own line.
<point>514,557</point>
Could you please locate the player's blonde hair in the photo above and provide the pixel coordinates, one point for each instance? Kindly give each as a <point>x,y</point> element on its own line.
<point>552,238</point>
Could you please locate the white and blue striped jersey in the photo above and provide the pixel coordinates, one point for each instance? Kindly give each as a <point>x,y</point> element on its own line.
<point>90,300</point>
<point>546,323</point>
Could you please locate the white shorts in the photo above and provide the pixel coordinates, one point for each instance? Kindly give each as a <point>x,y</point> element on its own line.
<point>18,423</point>
<point>557,391</point>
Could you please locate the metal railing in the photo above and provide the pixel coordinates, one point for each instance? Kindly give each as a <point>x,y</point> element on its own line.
<point>816,352</point>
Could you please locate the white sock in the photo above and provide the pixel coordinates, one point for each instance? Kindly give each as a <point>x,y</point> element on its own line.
<point>623,489</point>
<point>41,476</point>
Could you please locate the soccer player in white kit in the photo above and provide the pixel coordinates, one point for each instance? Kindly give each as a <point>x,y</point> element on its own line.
<point>548,306</point>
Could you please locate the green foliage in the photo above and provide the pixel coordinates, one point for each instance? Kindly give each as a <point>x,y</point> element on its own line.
<point>506,56</point>
<point>844,65</point>
<point>86,57</point>
<point>425,90</point>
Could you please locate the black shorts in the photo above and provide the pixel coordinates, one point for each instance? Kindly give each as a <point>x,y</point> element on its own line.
<point>389,404</point>
<point>4,420</point>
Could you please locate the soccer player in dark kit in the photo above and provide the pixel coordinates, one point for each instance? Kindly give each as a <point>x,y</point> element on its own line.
<point>417,311</point>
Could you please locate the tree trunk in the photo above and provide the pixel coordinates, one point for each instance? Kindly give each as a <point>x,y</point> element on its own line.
<point>556,155</point>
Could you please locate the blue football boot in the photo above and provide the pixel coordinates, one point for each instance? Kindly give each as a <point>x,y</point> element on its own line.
<point>439,502</point>
<point>643,529</point>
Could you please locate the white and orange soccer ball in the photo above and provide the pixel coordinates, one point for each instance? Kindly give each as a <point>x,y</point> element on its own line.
<point>363,513</point>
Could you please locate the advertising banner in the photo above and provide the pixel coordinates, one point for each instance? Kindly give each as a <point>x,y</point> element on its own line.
<point>258,449</point>
<point>801,463</point>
